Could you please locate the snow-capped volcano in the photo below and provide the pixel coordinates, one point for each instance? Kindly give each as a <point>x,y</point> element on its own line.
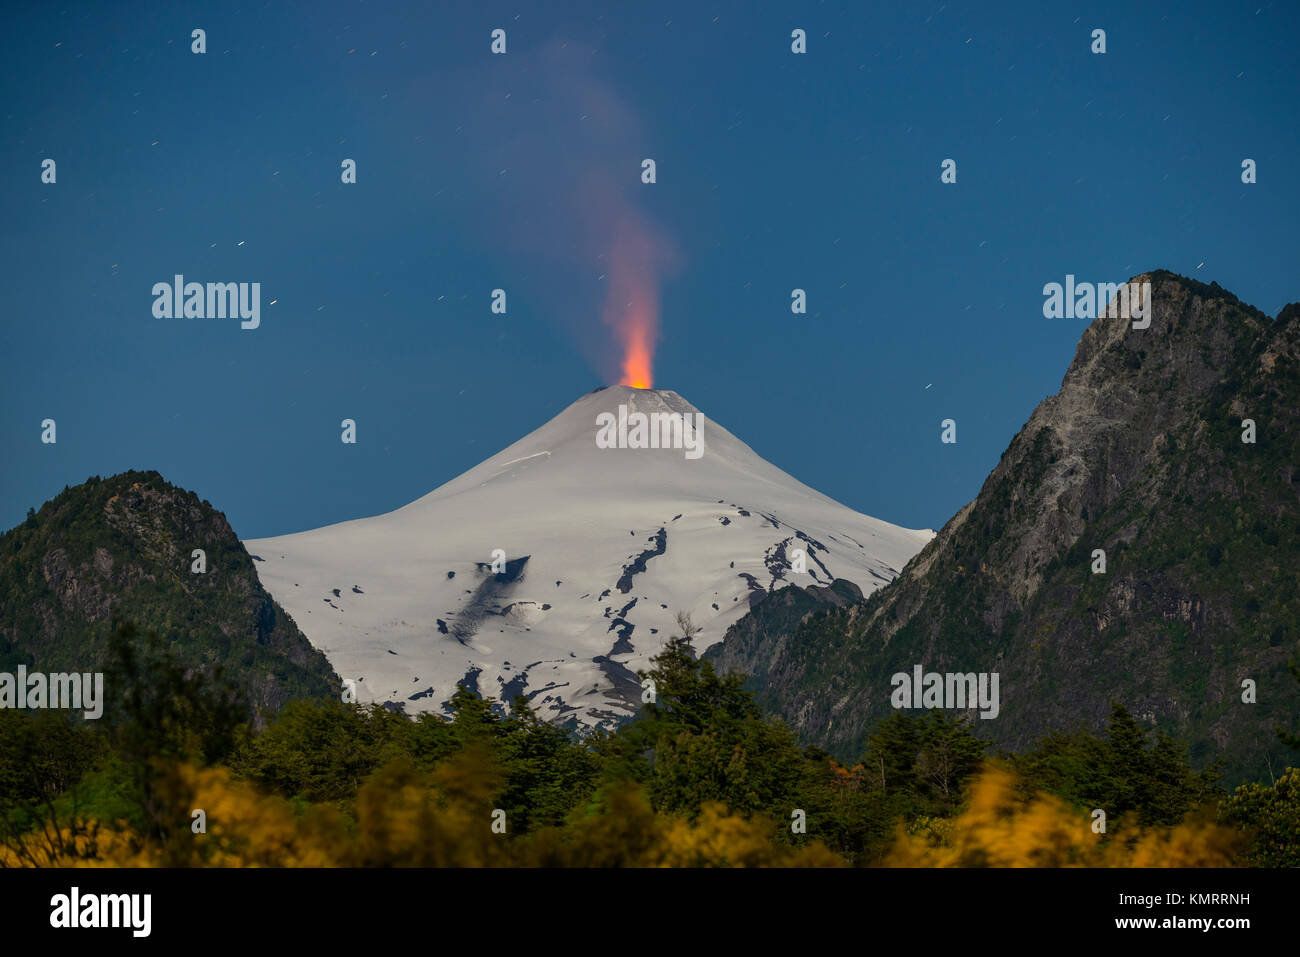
<point>557,567</point>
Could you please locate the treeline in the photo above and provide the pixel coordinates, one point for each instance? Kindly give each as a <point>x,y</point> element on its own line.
<point>175,775</point>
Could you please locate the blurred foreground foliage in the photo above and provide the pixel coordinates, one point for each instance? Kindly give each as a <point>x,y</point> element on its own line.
<point>175,775</point>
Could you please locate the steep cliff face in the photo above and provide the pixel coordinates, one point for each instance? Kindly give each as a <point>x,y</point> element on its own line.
<point>1139,455</point>
<point>121,549</point>
<point>759,640</point>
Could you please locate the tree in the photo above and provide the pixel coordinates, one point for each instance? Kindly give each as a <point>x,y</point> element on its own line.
<point>890,757</point>
<point>704,739</point>
<point>1131,771</point>
<point>922,763</point>
<point>548,773</point>
<point>1270,818</point>
<point>43,756</point>
<point>949,755</point>
<point>167,714</point>
<point>323,750</point>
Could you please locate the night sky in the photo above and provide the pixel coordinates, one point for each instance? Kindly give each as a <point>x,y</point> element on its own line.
<point>522,171</point>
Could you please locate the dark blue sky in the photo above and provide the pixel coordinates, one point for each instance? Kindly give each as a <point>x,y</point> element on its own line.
<point>775,171</point>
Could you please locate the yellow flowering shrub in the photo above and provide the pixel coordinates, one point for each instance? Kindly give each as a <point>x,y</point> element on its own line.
<point>998,829</point>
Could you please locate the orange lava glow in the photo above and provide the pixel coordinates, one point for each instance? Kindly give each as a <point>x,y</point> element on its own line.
<point>638,357</point>
<point>632,303</point>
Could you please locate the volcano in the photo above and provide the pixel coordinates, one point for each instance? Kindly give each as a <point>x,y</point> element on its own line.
<point>557,567</point>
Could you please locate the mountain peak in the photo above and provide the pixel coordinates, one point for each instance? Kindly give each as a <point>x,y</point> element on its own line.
<point>122,548</point>
<point>608,398</point>
<point>557,567</point>
<point>1106,556</point>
